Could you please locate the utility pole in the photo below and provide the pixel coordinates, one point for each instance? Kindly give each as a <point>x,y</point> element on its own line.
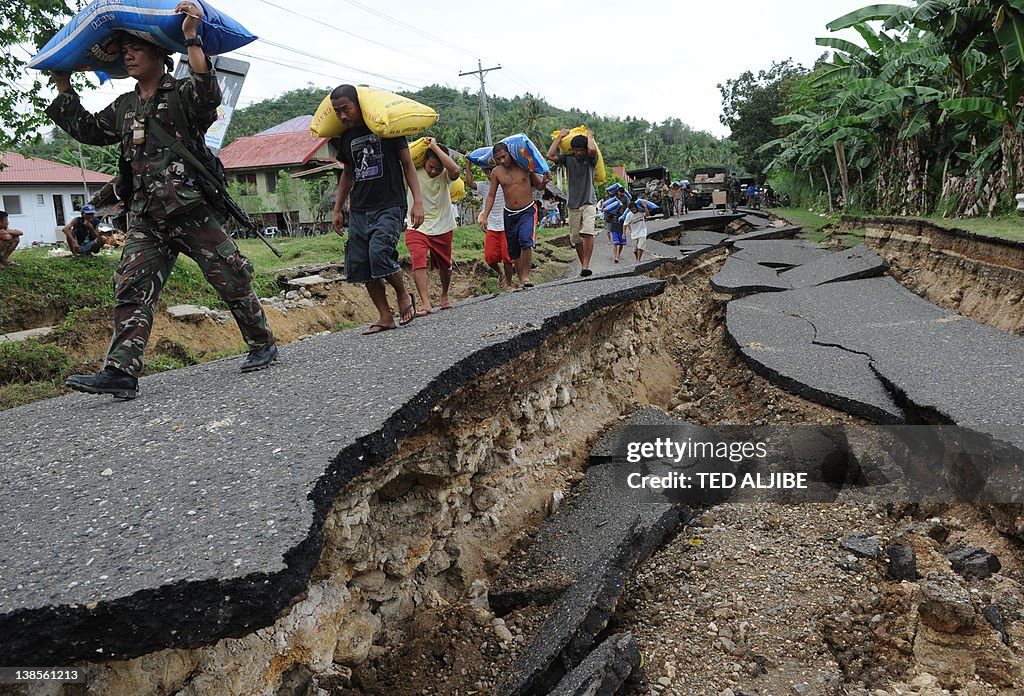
<point>647,162</point>
<point>81,165</point>
<point>481,71</point>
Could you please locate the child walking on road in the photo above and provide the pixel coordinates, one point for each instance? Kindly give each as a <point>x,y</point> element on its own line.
<point>495,246</point>
<point>618,238</point>
<point>635,225</point>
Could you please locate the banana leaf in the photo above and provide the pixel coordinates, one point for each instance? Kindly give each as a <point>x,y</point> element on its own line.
<point>865,14</point>
<point>1011,40</point>
<point>975,108</point>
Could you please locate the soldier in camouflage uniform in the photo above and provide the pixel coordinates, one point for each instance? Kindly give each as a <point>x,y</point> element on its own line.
<point>168,213</point>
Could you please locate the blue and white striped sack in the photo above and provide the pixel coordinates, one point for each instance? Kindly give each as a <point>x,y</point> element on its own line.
<point>88,41</point>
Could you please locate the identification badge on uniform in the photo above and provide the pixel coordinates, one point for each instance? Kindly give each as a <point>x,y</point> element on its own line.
<point>139,132</point>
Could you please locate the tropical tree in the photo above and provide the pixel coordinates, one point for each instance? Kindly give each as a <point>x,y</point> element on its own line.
<point>27,24</point>
<point>317,191</point>
<point>94,157</point>
<point>928,109</point>
<point>749,105</point>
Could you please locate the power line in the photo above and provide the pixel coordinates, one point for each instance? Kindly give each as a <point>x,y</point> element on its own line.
<point>338,63</point>
<point>285,65</point>
<point>419,58</point>
<point>519,79</point>
<point>513,76</point>
<point>410,27</point>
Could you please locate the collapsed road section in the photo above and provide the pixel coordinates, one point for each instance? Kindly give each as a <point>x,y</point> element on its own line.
<point>196,512</point>
<point>336,527</point>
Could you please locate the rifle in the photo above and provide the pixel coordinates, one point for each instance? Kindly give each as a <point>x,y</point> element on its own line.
<point>213,186</point>
<point>245,220</point>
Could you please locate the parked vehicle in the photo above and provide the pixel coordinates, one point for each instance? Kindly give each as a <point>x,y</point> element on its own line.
<point>647,183</point>
<point>270,232</point>
<point>704,182</point>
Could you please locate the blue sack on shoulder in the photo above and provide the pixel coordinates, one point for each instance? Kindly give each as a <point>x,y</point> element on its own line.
<point>613,206</point>
<point>482,157</point>
<point>89,40</point>
<point>525,153</point>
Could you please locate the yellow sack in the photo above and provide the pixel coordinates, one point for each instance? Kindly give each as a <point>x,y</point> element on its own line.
<point>418,150</point>
<point>599,172</point>
<point>386,114</point>
<point>458,190</point>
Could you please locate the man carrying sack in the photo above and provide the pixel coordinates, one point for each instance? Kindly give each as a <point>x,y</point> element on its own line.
<point>160,128</point>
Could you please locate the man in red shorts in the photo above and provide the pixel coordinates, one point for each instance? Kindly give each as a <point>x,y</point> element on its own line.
<point>434,236</point>
<point>495,246</point>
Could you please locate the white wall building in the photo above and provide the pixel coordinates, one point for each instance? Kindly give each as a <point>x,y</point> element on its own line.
<point>40,196</point>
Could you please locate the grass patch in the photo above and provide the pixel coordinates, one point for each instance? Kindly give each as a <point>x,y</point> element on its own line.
<point>811,222</point>
<point>43,290</point>
<point>295,251</point>
<point>158,362</point>
<point>12,395</point>
<point>1005,227</point>
<point>851,238</point>
<point>31,361</point>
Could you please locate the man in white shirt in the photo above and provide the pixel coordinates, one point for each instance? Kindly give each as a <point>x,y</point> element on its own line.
<point>434,236</point>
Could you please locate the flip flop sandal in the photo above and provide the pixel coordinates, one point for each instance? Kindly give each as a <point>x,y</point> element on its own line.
<point>376,329</point>
<point>402,321</point>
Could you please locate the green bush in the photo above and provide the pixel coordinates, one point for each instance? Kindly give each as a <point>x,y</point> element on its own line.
<point>31,361</point>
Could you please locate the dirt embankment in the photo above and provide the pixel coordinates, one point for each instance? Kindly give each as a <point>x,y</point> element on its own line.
<point>758,599</point>
<point>747,599</point>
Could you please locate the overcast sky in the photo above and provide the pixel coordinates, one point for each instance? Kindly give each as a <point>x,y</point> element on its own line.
<point>651,60</point>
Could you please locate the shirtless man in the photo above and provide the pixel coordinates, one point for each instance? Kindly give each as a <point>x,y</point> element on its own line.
<point>9,238</point>
<point>520,212</point>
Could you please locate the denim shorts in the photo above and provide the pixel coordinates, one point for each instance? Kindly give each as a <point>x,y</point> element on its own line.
<point>371,251</point>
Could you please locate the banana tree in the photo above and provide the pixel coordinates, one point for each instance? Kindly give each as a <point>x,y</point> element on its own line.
<point>983,44</point>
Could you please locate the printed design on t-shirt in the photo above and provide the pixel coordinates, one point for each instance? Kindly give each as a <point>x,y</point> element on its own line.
<point>368,155</point>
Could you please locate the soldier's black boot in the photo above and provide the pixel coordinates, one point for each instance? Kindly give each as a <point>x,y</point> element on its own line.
<point>260,357</point>
<point>109,380</point>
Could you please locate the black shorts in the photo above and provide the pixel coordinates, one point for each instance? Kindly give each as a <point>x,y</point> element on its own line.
<point>371,251</point>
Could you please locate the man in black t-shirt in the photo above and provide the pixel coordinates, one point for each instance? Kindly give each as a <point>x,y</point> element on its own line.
<point>375,173</point>
<point>82,234</point>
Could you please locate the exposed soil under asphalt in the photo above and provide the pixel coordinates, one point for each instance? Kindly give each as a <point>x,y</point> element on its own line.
<point>752,599</point>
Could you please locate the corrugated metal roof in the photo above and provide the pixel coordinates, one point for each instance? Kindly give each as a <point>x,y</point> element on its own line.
<point>295,125</point>
<point>318,170</point>
<point>18,169</point>
<point>277,150</point>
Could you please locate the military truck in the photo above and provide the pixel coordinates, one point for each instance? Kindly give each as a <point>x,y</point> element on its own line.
<point>647,183</point>
<point>704,182</point>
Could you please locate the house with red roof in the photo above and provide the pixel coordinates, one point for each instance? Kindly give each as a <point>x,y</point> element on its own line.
<point>41,196</point>
<point>264,172</point>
